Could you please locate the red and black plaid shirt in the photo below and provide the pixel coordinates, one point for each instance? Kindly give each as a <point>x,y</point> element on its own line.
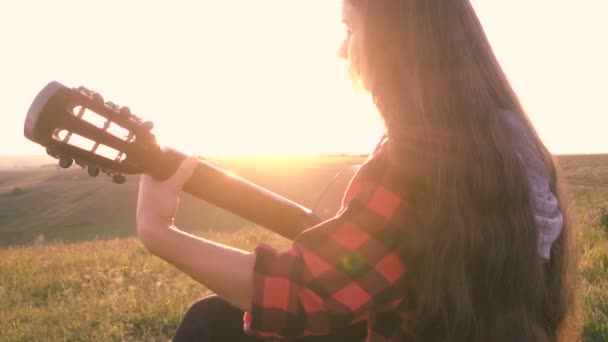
<point>339,272</point>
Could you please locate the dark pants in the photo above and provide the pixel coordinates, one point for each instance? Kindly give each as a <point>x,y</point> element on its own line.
<point>212,319</point>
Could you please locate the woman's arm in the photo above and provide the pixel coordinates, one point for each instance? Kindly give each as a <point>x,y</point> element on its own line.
<point>224,270</point>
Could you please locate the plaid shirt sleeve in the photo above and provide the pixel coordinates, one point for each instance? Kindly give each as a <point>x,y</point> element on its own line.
<point>337,273</point>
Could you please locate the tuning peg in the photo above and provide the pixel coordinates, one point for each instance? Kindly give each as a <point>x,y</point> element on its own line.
<point>65,162</point>
<point>119,179</point>
<point>125,111</point>
<point>112,105</point>
<point>148,125</point>
<point>51,153</point>
<point>93,171</point>
<point>98,98</point>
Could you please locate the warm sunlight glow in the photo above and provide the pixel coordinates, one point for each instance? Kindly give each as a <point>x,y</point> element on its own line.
<point>251,77</point>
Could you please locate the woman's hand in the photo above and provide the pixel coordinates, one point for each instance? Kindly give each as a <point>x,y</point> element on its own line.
<point>156,206</point>
<point>158,200</point>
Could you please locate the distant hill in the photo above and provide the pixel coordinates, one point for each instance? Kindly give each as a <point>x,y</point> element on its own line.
<point>70,205</point>
<point>25,161</point>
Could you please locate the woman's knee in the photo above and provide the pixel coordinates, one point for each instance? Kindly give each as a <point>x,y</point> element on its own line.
<point>208,305</point>
<point>212,319</point>
<point>214,311</point>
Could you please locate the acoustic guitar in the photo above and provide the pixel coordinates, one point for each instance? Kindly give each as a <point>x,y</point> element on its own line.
<point>78,127</point>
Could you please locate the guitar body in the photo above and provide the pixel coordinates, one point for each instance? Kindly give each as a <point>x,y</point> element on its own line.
<point>117,142</point>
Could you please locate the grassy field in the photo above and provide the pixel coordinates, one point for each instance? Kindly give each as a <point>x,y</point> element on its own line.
<point>105,290</point>
<point>70,269</point>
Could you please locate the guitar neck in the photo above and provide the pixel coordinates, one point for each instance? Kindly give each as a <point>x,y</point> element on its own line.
<point>237,195</point>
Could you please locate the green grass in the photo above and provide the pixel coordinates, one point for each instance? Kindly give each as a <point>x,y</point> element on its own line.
<point>593,268</point>
<point>111,290</point>
<point>100,284</point>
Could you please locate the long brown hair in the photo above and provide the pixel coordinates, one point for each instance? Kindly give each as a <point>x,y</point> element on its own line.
<point>472,237</point>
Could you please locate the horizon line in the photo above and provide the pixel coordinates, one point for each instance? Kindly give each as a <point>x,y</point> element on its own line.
<point>269,154</point>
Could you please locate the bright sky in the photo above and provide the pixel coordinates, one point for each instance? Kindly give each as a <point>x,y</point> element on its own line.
<point>242,76</point>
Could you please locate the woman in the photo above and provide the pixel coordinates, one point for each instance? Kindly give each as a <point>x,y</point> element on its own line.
<point>452,230</point>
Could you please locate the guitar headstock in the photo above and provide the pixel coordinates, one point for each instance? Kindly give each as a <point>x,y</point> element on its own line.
<point>77,126</point>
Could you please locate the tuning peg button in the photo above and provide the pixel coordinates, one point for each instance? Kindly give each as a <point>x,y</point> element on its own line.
<point>93,171</point>
<point>148,125</point>
<point>98,98</point>
<point>125,111</point>
<point>65,162</point>
<point>119,179</point>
